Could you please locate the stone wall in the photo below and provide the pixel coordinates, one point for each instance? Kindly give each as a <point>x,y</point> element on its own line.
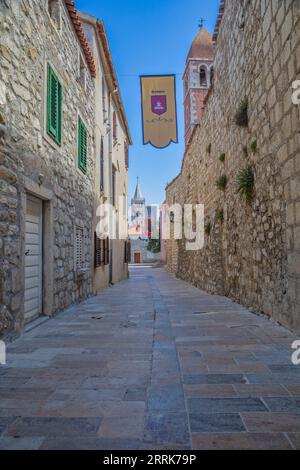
<point>253,255</point>
<point>173,196</point>
<point>29,40</point>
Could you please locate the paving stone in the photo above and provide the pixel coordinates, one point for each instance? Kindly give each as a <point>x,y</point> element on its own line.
<point>209,391</point>
<point>289,377</point>
<point>295,440</point>
<point>286,404</point>
<point>53,427</point>
<point>5,422</point>
<point>136,394</point>
<point>90,444</point>
<point>166,428</point>
<point>122,427</point>
<point>272,422</point>
<point>240,441</point>
<point>169,398</point>
<point>213,379</point>
<point>216,422</point>
<point>224,405</point>
<point>260,390</point>
<point>24,443</point>
<point>293,389</point>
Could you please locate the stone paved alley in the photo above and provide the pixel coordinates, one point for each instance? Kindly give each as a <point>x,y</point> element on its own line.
<point>151,363</point>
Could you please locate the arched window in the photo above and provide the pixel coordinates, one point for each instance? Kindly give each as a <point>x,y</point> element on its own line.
<point>212,75</point>
<point>186,86</point>
<point>203,77</point>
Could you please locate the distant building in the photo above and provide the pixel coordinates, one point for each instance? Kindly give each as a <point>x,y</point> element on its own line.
<point>144,226</point>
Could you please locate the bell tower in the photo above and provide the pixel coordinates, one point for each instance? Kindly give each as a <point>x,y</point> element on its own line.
<point>197,78</point>
<point>138,209</point>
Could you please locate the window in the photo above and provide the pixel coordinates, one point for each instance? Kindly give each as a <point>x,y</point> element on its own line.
<point>79,259</point>
<point>115,126</point>
<point>82,72</point>
<point>186,86</point>
<point>103,96</point>
<point>98,251</point>
<point>54,107</point>
<point>126,151</point>
<point>82,146</point>
<point>102,166</point>
<point>203,79</point>
<point>54,12</point>
<point>212,76</point>
<point>114,176</point>
<point>125,206</point>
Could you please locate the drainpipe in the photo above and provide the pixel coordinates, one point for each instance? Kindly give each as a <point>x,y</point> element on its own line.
<point>110,151</point>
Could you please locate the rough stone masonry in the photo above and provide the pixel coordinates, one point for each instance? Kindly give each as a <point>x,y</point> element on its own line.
<point>252,251</point>
<point>29,159</point>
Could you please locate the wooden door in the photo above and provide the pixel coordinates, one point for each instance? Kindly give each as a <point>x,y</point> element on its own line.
<point>33,259</point>
<point>137,258</point>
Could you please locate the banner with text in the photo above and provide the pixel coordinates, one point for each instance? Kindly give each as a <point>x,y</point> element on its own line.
<point>159,110</point>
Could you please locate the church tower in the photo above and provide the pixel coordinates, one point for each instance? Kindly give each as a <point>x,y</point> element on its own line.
<point>197,78</point>
<point>138,208</point>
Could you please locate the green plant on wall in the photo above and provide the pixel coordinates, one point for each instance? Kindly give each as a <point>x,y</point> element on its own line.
<point>253,146</point>
<point>222,157</point>
<point>221,182</point>
<point>208,229</point>
<point>246,183</point>
<point>241,118</point>
<point>220,216</point>
<point>154,246</point>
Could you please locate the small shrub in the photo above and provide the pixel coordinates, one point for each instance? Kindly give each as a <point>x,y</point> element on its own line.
<point>220,216</point>
<point>245,183</point>
<point>208,229</point>
<point>241,118</point>
<point>253,146</point>
<point>209,149</point>
<point>222,157</point>
<point>221,182</point>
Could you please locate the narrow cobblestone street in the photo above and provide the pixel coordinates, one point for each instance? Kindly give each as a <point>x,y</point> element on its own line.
<point>152,363</point>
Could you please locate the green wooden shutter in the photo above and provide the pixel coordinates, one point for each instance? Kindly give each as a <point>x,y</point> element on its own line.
<point>82,146</point>
<point>54,107</point>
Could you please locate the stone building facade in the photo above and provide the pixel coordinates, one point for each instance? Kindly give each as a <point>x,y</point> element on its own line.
<point>48,160</point>
<point>252,250</point>
<point>112,141</point>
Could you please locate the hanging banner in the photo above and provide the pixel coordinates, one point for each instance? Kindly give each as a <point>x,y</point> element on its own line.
<point>159,110</point>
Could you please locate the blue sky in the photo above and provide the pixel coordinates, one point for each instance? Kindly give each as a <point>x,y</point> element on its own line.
<point>151,37</point>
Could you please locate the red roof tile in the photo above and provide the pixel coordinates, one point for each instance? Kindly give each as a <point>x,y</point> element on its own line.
<point>70,4</point>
